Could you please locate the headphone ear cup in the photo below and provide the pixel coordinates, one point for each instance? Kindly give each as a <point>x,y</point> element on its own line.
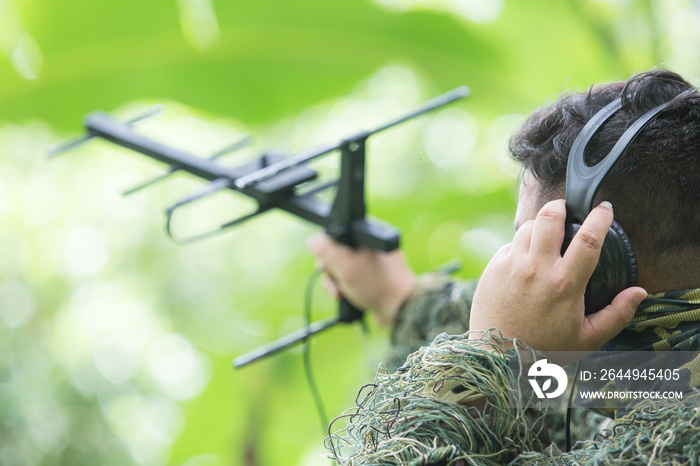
<point>616,269</point>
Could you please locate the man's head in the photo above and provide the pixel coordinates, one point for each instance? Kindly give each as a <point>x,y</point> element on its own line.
<point>654,186</point>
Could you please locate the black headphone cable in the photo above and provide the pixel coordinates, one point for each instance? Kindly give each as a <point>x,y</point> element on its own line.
<point>568,407</point>
<point>315,394</point>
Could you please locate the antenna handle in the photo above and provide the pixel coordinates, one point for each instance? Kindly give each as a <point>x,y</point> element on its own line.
<point>347,312</point>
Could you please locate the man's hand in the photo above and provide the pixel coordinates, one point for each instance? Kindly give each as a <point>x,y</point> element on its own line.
<point>530,292</point>
<point>369,279</point>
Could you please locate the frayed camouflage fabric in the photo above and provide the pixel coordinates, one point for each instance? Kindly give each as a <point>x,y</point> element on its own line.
<point>450,401</point>
<point>452,404</point>
<point>432,410</point>
<point>437,305</point>
<point>652,432</point>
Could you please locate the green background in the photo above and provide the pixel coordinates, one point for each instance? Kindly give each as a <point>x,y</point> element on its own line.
<point>115,343</point>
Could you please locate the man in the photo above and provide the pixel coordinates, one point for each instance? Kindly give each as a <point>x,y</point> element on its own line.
<point>533,293</point>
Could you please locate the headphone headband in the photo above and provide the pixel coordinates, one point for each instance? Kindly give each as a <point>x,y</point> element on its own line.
<point>583,181</point>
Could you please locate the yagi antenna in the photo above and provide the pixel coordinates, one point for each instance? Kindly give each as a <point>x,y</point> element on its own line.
<point>310,154</point>
<point>79,141</point>
<point>174,168</point>
<point>274,182</point>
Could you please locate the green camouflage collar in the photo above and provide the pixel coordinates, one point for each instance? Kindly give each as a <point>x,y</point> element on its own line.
<point>664,321</point>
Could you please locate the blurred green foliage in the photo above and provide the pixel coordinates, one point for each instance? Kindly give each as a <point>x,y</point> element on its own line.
<point>115,343</point>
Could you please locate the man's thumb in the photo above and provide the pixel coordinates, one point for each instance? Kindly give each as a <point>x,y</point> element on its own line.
<point>605,324</point>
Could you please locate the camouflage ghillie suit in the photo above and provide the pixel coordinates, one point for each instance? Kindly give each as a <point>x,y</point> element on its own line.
<point>447,404</point>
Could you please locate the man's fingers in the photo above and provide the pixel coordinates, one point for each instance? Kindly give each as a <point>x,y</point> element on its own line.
<point>503,251</point>
<point>604,325</point>
<point>521,240</point>
<point>581,257</point>
<point>331,287</point>
<point>318,244</point>
<point>548,231</point>
<point>327,250</point>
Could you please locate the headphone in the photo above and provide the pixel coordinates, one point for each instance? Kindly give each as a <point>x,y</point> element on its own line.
<point>617,266</point>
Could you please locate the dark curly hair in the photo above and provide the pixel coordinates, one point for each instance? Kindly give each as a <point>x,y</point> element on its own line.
<point>654,186</point>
